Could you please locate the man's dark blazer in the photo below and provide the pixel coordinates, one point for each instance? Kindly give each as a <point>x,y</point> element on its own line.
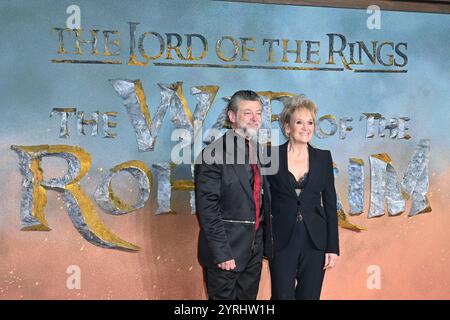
<point>321,221</point>
<point>225,206</point>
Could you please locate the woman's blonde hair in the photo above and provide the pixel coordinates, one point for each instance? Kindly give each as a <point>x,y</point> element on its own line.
<point>292,104</point>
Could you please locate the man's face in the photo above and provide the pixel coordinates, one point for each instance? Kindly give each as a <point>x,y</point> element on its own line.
<point>247,121</point>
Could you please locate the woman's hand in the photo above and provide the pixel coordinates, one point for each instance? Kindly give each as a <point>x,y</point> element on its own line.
<point>330,260</point>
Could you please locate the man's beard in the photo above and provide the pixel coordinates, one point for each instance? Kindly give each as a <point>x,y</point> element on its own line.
<point>250,133</point>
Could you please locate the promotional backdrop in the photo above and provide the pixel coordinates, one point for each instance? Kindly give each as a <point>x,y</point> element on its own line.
<point>141,69</point>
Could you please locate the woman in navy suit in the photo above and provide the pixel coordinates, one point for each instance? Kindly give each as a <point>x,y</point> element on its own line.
<point>305,224</point>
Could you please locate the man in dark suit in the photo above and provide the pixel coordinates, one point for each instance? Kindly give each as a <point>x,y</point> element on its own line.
<point>233,204</point>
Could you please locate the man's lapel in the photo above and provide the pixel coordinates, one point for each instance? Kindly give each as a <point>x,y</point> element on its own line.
<point>239,154</point>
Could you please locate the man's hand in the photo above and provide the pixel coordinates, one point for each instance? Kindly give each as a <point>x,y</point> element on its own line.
<point>330,260</point>
<point>227,265</point>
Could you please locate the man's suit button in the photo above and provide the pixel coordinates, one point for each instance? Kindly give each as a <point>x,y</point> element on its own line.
<point>299,216</point>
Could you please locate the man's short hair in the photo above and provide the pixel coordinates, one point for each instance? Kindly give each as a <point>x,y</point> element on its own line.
<point>246,95</point>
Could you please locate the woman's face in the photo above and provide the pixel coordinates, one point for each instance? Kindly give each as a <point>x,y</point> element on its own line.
<point>301,127</point>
